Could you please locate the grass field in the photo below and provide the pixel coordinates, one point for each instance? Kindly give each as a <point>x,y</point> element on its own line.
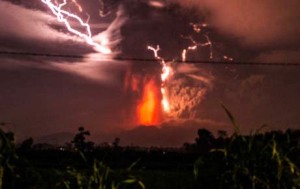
<point>258,160</point>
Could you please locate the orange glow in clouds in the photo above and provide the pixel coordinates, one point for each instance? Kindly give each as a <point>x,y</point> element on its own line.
<point>148,110</point>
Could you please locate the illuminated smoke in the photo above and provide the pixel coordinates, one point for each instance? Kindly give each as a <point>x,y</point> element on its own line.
<point>103,11</point>
<point>132,82</point>
<point>64,17</point>
<point>156,4</point>
<point>187,89</point>
<point>183,88</point>
<point>182,93</point>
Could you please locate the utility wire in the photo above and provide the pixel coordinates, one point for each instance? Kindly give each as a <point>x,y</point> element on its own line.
<point>150,60</point>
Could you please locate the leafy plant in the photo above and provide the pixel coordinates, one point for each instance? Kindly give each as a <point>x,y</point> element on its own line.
<point>254,161</point>
<point>7,153</point>
<point>101,176</point>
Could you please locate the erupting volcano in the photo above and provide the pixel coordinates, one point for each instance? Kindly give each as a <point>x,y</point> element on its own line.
<point>154,99</point>
<point>149,108</point>
<point>146,93</point>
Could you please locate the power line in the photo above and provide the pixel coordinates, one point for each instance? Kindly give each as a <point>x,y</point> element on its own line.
<point>150,60</point>
<point>40,54</point>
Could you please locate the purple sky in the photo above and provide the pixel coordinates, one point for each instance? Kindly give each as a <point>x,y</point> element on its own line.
<point>49,97</point>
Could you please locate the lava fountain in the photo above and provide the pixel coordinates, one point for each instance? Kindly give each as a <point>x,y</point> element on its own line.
<point>149,107</point>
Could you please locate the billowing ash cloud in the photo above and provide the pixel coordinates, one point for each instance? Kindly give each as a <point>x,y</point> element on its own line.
<point>186,90</point>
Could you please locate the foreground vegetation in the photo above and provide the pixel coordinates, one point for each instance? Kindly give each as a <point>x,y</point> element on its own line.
<point>258,160</point>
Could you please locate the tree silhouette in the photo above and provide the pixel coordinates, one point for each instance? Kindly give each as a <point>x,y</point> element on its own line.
<point>80,142</point>
<point>26,145</point>
<point>205,140</point>
<point>116,143</point>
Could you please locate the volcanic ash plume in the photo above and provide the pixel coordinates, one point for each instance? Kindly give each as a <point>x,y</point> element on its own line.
<point>183,86</point>
<point>186,90</point>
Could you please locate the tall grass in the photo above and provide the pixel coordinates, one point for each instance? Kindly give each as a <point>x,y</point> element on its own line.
<point>101,176</point>
<point>253,161</point>
<point>7,154</point>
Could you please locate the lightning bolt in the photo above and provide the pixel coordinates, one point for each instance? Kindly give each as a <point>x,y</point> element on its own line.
<point>64,16</point>
<point>197,28</point>
<point>166,71</point>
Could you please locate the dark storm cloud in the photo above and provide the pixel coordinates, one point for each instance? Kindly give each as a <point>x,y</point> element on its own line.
<point>266,24</point>
<point>256,96</point>
<point>277,56</point>
<point>266,31</point>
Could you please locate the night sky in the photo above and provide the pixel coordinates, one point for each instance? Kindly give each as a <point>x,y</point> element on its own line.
<point>48,97</point>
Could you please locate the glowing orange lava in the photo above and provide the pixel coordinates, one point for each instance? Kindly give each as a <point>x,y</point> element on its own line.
<point>148,110</point>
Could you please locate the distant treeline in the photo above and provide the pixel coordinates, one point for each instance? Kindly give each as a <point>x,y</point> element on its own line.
<point>258,160</point>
